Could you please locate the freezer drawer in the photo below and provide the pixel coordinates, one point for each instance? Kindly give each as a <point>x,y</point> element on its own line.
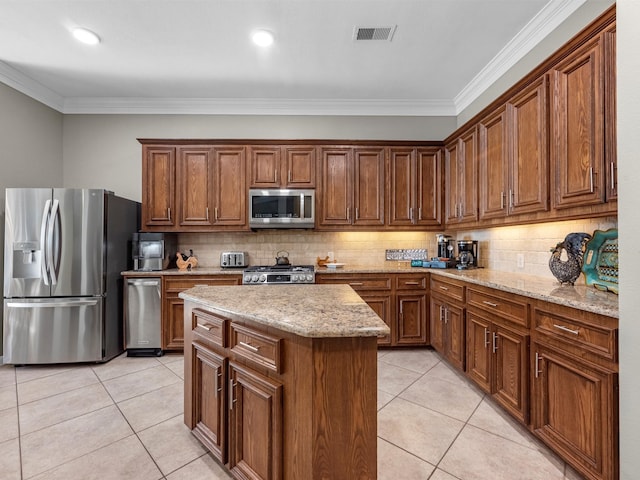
<point>61,330</point>
<point>143,321</point>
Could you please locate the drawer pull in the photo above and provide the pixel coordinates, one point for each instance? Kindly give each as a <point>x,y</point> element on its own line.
<point>491,304</point>
<point>356,284</point>
<point>494,347</point>
<point>249,346</point>
<point>206,326</point>
<point>444,288</point>
<point>412,283</point>
<point>567,329</point>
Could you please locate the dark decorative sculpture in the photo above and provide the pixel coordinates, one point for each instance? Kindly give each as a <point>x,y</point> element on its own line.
<point>568,271</point>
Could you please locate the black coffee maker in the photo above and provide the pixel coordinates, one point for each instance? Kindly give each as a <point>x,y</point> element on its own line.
<point>446,247</point>
<point>467,254</point>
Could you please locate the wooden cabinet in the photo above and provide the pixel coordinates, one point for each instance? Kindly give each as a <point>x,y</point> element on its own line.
<point>173,306</point>
<point>575,387</point>
<point>352,187</point>
<point>577,127</point>
<point>229,187</point>
<point>414,187</point>
<point>610,109</point>
<point>461,178</point>
<point>513,159</point>
<point>158,186</point>
<point>447,319</point>
<point>194,177</point>
<point>411,308</point>
<point>497,356</point>
<point>282,166</point>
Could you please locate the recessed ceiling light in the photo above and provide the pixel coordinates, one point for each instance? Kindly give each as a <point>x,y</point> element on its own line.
<point>86,36</point>
<point>262,38</point>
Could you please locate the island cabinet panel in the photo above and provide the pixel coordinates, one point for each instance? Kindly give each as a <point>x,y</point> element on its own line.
<point>173,306</point>
<point>315,418</point>
<point>158,186</point>
<point>575,387</point>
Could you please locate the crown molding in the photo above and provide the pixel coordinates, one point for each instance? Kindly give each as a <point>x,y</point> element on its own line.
<point>20,82</point>
<point>548,19</point>
<point>257,106</point>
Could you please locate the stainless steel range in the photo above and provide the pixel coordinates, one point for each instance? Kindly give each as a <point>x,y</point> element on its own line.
<point>278,274</point>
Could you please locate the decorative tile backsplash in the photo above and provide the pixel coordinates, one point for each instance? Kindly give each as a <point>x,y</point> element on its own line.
<point>498,248</point>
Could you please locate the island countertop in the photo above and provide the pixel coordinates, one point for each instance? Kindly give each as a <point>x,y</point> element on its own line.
<point>314,310</point>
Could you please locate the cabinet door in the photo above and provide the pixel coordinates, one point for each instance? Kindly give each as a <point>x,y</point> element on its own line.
<point>337,186</point>
<point>369,187</point>
<point>468,193</point>
<point>412,319</point>
<point>300,167</point>
<point>255,425</point>
<point>264,167</point>
<point>209,399</point>
<point>401,186</point>
<point>173,322</point>
<point>610,109</point>
<point>510,385</point>
<point>381,304</point>
<point>479,350</point>
<point>230,193</point>
<point>452,182</point>
<point>158,186</point>
<point>528,139</point>
<point>455,334</point>
<point>436,324</point>
<point>194,178</point>
<point>428,187</point>
<point>495,192</point>
<point>577,126</point>
<point>575,405</point>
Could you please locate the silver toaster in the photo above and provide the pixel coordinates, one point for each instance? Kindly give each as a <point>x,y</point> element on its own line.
<point>234,259</point>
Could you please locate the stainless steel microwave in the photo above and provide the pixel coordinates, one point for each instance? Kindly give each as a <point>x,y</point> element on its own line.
<point>281,208</point>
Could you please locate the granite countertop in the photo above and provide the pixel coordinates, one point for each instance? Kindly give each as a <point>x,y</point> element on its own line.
<point>532,286</point>
<point>177,271</point>
<point>305,310</point>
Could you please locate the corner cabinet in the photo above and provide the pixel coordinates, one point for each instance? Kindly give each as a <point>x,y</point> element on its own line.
<point>415,187</point>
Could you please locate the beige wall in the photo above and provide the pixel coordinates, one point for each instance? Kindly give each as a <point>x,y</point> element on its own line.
<point>101,151</point>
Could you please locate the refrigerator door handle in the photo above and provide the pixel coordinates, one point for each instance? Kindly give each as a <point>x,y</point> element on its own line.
<point>51,264</point>
<point>64,303</point>
<point>43,241</point>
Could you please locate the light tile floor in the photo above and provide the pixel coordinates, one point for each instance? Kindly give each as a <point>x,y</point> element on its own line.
<point>123,420</point>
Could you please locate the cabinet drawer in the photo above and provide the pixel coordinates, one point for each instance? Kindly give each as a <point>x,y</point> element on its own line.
<point>210,326</point>
<point>411,282</point>
<point>512,308</point>
<point>257,347</point>
<point>359,282</point>
<point>179,284</point>
<point>443,286</point>
<point>600,340</point>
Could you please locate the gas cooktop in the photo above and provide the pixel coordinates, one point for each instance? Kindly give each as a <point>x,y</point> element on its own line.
<point>278,274</point>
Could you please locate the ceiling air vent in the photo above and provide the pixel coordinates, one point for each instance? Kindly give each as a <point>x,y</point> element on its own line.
<point>373,33</point>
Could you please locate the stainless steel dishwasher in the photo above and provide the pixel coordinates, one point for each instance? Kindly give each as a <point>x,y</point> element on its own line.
<point>142,321</point>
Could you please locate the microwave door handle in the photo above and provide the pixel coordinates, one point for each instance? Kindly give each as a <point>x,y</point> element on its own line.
<point>53,222</point>
<point>43,241</point>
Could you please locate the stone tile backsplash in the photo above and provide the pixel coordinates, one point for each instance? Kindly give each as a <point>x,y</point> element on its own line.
<point>498,247</point>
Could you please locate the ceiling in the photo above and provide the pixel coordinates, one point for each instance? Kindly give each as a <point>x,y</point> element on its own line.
<point>196,56</point>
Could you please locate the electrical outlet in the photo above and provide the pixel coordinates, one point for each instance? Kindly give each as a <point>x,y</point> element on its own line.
<point>520,260</point>
<point>331,257</point>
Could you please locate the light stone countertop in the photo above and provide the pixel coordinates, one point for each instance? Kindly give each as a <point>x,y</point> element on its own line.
<point>305,310</point>
<point>541,288</point>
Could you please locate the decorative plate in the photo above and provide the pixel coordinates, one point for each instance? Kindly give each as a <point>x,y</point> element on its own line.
<point>600,265</point>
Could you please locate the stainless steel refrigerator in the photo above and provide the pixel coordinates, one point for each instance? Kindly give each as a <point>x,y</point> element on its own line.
<point>64,251</point>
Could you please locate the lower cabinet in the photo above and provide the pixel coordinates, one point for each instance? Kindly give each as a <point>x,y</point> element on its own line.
<point>173,306</point>
<point>447,320</point>
<point>411,310</point>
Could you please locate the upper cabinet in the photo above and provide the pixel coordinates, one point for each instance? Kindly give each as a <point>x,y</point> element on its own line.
<point>158,186</point>
<point>513,165</point>
<point>610,99</point>
<point>282,166</point>
<point>194,178</point>
<point>352,187</point>
<point>414,185</point>
<point>461,178</point>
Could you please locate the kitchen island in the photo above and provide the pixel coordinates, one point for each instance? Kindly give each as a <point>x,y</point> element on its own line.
<point>281,381</point>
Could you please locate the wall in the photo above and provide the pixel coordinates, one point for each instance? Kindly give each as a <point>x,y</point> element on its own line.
<point>101,151</point>
<point>31,154</point>
<point>628,15</point>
